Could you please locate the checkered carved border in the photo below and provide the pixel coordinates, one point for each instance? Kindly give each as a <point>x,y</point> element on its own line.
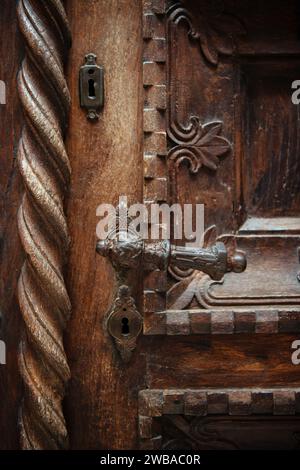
<point>193,322</point>
<point>155,135</point>
<point>154,404</point>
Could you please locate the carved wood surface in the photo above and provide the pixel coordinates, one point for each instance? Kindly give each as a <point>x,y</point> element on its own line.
<point>155,133</point>
<point>201,145</point>
<point>270,306</point>
<point>212,27</point>
<point>45,168</point>
<point>101,404</point>
<point>230,433</point>
<point>224,322</point>
<point>180,406</point>
<point>206,42</point>
<point>197,141</point>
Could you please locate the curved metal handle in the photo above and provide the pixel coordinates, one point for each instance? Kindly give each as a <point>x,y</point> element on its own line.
<point>126,251</point>
<point>130,252</point>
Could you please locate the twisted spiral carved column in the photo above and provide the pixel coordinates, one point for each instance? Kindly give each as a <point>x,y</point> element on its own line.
<point>45,170</point>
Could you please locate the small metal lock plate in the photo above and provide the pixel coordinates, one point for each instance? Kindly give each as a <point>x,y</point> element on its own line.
<point>91,84</point>
<point>124,323</point>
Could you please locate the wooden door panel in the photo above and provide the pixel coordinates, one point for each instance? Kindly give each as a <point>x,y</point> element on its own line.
<point>270,138</point>
<point>197,109</point>
<point>223,77</point>
<point>228,83</point>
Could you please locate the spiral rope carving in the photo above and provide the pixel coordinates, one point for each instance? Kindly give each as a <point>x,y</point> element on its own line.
<point>45,169</point>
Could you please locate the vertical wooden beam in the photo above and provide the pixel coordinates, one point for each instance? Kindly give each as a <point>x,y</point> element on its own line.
<point>155,145</point>
<point>106,155</point>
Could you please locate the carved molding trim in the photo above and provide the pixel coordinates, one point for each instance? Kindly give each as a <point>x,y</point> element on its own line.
<point>213,28</point>
<point>155,133</point>
<point>207,297</point>
<point>217,322</point>
<point>45,168</point>
<point>154,404</point>
<point>196,290</point>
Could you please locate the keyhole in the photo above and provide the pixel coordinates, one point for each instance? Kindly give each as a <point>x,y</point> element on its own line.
<point>125,326</point>
<point>92,92</point>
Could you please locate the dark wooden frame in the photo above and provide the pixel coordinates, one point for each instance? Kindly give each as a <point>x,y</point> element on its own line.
<point>157,98</point>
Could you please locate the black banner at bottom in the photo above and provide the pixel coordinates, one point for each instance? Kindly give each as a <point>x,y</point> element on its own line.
<point>142,459</point>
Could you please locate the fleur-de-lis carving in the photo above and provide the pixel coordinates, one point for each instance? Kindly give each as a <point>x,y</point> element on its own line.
<point>201,145</point>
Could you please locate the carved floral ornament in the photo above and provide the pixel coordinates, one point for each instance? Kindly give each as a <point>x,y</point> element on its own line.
<point>215,30</point>
<point>200,145</point>
<point>213,27</point>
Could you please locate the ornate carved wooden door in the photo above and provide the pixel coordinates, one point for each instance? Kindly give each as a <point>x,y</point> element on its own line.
<point>151,345</point>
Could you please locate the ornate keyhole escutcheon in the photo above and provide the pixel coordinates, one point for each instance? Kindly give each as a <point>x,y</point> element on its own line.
<point>124,323</point>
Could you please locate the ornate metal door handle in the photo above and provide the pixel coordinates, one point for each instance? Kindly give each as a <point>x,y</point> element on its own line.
<point>127,251</point>
<point>133,253</point>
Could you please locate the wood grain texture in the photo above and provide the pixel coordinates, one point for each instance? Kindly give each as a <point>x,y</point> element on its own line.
<point>271,129</point>
<point>185,349</point>
<point>213,361</point>
<point>11,256</point>
<point>106,161</point>
<point>45,169</point>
